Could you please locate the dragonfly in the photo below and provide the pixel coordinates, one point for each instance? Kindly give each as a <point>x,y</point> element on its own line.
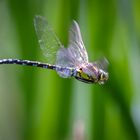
<point>67,62</point>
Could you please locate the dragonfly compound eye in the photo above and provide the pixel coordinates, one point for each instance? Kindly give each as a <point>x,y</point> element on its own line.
<point>104,76</point>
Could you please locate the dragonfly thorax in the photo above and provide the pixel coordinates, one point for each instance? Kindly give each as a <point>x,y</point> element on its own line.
<point>65,72</point>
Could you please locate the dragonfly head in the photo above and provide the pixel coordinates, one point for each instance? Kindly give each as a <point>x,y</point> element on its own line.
<point>102,76</point>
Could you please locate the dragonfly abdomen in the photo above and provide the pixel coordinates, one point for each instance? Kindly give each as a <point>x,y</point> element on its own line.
<point>64,72</point>
<point>27,63</point>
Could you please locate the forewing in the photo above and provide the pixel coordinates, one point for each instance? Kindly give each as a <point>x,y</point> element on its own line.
<point>102,64</point>
<point>76,53</point>
<point>49,43</point>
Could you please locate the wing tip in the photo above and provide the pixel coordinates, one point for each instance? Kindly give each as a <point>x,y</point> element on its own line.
<point>74,22</point>
<point>39,18</point>
<point>75,25</point>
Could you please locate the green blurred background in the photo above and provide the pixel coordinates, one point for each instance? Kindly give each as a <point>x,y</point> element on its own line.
<point>36,104</point>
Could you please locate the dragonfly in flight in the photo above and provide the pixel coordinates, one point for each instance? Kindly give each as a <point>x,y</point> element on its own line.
<point>67,62</point>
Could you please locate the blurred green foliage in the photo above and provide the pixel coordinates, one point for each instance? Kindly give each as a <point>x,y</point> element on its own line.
<point>36,104</point>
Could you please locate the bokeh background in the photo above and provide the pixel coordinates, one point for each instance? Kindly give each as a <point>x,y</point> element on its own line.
<point>36,104</point>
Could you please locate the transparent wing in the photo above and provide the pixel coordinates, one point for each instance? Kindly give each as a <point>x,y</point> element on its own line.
<point>76,52</point>
<point>48,40</point>
<point>102,64</point>
<point>76,43</point>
